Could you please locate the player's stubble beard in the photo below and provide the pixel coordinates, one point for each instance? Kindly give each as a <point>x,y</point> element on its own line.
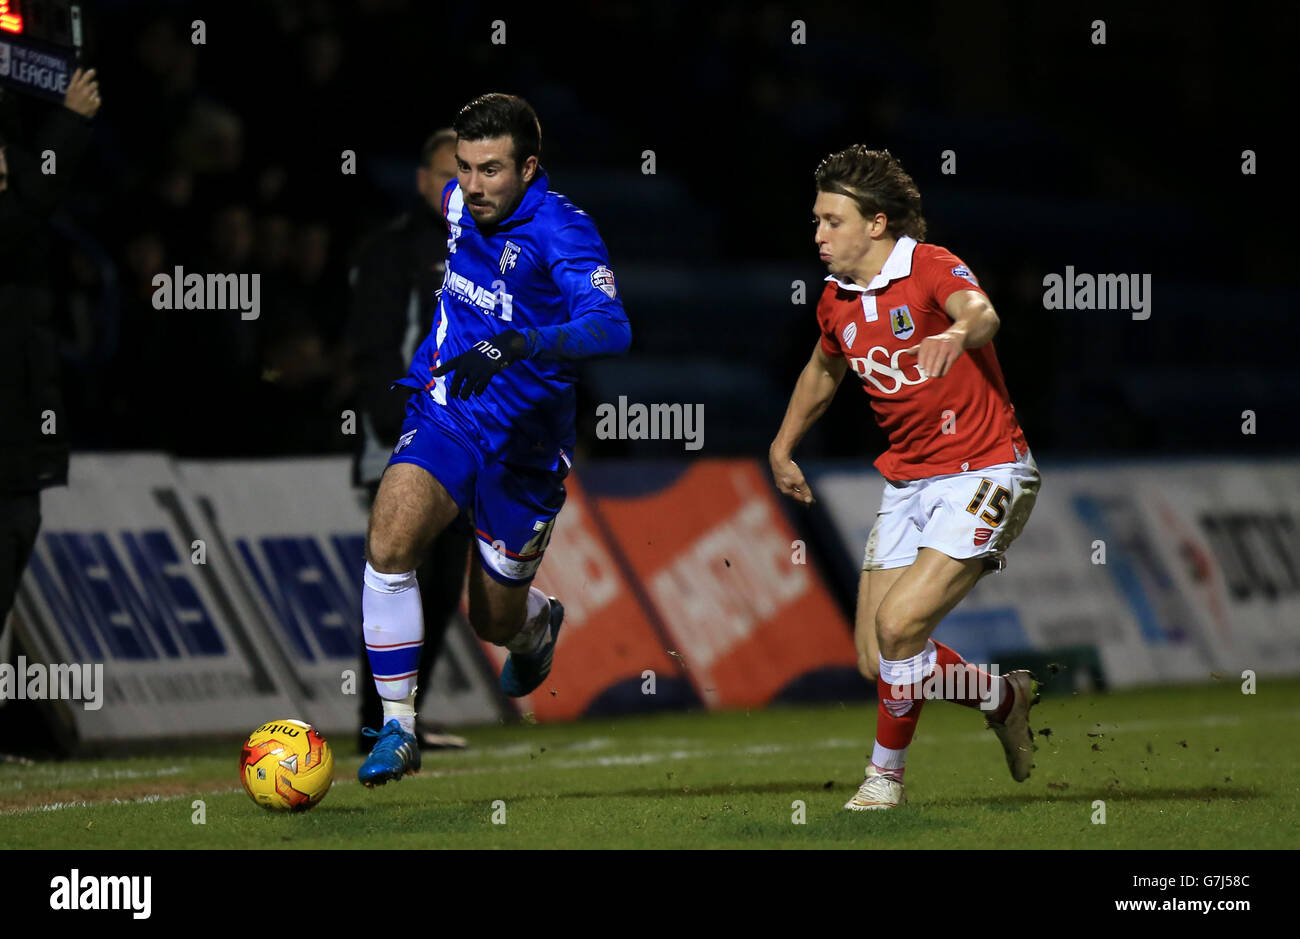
<point>501,214</point>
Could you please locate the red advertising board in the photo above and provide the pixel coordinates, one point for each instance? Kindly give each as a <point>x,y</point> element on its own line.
<point>607,642</point>
<point>746,613</point>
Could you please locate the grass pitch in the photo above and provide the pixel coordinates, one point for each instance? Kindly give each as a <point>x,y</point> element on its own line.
<point>1176,767</point>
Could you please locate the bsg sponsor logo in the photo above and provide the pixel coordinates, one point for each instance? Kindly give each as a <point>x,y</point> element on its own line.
<point>883,370</point>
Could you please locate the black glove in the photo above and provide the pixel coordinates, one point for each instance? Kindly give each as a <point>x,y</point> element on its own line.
<point>476,365</point>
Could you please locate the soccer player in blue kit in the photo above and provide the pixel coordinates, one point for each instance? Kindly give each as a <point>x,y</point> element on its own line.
<point>489,430</point>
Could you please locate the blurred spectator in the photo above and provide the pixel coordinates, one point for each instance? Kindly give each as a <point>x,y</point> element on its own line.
<point>394,288</point>
<point>33,423</point>
<point>232,153</point>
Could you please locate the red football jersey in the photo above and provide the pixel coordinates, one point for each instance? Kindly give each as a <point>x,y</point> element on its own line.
<point>962,421</point>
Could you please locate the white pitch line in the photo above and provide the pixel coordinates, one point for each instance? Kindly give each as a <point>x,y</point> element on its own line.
<point>640,759</point>
<point>636,759</point>
<point>60,776</point>
<point>149,798</point>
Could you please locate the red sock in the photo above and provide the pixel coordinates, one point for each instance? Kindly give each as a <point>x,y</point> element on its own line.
<point>896,732</point>
<point>973,682</point>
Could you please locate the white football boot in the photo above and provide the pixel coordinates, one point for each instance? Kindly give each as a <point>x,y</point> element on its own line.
<point>878,791</point>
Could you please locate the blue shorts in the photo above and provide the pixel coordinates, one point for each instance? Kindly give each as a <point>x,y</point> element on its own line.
<point>511,509</point>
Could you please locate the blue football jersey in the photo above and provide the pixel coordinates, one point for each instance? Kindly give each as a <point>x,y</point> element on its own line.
<point>543,271</point>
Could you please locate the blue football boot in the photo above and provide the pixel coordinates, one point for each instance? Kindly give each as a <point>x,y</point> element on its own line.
<point>524,672</point>
<point>394,755</point>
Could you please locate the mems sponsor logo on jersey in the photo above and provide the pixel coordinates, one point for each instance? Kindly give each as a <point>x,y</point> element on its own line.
<point>481,297</point>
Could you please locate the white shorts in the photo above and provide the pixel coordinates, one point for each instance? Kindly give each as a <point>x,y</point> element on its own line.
<point>964,515</point>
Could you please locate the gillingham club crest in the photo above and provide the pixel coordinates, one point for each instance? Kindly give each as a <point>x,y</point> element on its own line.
<point>900,321</point>
<point>509,256</point>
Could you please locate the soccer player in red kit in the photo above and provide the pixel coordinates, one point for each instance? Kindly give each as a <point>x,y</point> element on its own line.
<point>910,320</point>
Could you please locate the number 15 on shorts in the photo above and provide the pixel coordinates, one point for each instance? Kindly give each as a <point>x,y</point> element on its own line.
<point>997,502</point>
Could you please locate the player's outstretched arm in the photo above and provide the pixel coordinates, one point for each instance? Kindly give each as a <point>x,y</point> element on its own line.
<point>812,395</point>
<point>599,332</point>
<point>974,323</point>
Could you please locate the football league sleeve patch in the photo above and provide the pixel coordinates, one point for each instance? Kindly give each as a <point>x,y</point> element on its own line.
<point>946,274</point>
<point>597,325</point>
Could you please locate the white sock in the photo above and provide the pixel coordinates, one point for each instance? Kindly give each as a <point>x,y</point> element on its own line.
<point>885,758</point>
<point>393,626</point>
<point>401,711</point>
<point>904,673</point>
<point>537,618</point>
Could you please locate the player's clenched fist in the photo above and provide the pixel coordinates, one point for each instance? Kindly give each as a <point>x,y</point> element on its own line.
<point>935,354</point>
<point>789,479</point>
<point>82,95</point>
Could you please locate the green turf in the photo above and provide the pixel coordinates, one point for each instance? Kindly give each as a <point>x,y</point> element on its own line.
<point>1200,767</point>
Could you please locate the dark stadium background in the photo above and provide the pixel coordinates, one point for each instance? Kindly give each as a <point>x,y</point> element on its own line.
<point>1145,585</point>
<point>1122,158</point>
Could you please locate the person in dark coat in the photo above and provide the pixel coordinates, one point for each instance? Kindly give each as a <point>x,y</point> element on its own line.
<point>394,284</point>
<point>33,431</point>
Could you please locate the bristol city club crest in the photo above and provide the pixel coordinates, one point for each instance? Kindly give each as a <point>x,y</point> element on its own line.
<point>602,278</point>
<point>900,321</point>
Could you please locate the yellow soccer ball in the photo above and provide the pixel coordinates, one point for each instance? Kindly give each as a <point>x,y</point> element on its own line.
<point>286,766</point>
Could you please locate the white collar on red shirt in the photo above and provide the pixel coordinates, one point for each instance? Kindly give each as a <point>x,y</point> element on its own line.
<point>898,264</point>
